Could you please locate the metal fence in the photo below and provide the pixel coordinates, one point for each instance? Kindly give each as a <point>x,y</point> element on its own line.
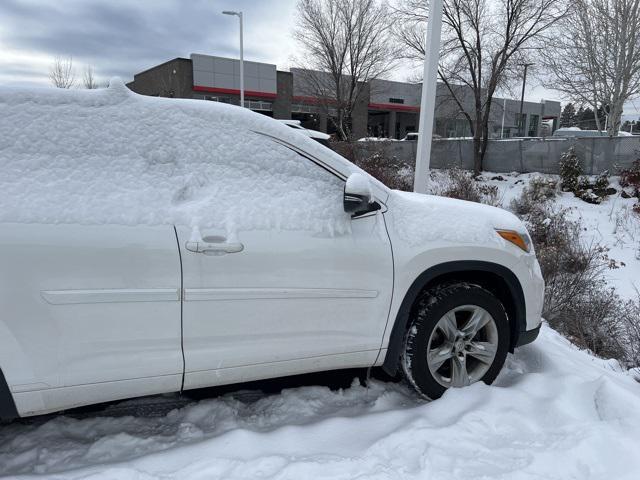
<point>515,155</point>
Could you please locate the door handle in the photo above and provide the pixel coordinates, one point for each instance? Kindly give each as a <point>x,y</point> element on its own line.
<point>214,248</point>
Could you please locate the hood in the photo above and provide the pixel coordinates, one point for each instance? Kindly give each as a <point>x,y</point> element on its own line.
<point>419,218</point>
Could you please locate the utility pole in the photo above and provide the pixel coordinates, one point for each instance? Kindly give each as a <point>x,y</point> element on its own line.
<point>521,125</point>
<point>428,97</point>
<point>239,15</point>
<point>504,109</point>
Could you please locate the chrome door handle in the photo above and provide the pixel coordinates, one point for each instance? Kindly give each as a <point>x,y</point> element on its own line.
<point>214,248</point>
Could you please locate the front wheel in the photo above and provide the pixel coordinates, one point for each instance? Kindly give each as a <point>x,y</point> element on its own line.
<point>458,335</point>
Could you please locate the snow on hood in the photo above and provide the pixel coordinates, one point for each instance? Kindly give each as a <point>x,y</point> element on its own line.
<point>110,156</point>
<point>419,219</point>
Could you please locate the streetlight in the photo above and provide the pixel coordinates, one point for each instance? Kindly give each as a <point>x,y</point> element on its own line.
<point>524,81</point>
<point>239,15</point>
<point>428,98</point>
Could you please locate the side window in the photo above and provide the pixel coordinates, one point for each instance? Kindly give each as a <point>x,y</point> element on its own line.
<point>259,184</point>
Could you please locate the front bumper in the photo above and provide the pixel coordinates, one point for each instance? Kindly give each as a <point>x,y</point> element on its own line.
<point>533,289</point>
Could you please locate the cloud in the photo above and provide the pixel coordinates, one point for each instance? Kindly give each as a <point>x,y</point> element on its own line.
<point>122,37</point>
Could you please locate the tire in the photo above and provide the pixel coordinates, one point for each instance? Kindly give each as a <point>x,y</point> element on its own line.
<point>437,355</point>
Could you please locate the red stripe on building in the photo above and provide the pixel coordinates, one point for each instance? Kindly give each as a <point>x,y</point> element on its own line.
<point>233,91</point>
<point>394,106</point>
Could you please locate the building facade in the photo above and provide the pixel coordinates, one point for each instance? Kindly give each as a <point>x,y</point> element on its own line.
<point>384,109</point>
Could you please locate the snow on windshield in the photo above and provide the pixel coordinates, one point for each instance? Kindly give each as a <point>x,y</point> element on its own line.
<point>113,157</point>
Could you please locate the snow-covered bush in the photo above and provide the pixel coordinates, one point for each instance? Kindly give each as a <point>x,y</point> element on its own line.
<point>630,177</point>
<point>594,190</point>
<point>461,184</point>
<point>391,171</point>
<point>630,180</point>
<point>581,185</point>
<point>540,190</point>
<point>630,318</point>
<point>602,181</point>
<point>578,301</point>
<point>589,196</point>
<point>570,170</point>
<point>592,321</point>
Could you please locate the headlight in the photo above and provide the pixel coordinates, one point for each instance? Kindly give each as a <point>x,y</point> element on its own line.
<point>519,239</point>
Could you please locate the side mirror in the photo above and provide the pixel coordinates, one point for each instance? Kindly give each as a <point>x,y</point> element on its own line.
<point>358,197</point>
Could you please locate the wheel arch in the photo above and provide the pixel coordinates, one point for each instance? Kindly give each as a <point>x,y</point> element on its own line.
<point>496,278</point>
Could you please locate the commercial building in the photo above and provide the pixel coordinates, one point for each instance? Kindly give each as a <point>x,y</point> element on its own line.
<point>385,108</point>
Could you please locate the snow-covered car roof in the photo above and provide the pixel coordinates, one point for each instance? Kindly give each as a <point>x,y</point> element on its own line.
<point>76,148</point>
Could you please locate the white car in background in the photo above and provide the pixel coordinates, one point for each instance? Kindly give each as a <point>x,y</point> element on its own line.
<point>578,132</point>
<point>413,137</point>
<point>320,137</point>
<point>154,245</point>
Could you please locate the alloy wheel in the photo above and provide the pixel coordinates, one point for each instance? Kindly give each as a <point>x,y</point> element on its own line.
<point>462,346</point>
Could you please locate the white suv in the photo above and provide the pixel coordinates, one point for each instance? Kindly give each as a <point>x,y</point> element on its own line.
<point>154,245</point>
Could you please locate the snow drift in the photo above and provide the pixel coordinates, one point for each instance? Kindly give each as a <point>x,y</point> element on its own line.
<point>554,413</point>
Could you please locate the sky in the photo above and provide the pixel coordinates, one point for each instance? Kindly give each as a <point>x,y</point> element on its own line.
<point>121,38</point>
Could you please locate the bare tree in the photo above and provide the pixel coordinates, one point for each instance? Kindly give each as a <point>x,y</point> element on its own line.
<point>595,57</point>
<point>483,43</point>
<point>61,72</point>
<point>88,79</point>
<point>346,44</point>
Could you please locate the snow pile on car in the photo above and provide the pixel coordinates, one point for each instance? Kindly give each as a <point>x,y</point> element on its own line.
<point>554,412</point>
<point>113,157</point>
<point>421,219</point>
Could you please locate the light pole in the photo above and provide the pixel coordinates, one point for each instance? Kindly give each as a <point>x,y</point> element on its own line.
<point>524,82</point>
<point>504,109</point>
<point>239,15</point>
<point>428,98</point>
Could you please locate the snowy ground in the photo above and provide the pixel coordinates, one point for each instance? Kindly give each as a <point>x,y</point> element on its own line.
<point>554,413</point>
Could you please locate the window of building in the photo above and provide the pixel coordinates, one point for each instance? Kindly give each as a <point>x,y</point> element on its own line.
<point>301,108</point>
<point>452,127</point>
<point>533,125</point>
<point>521,122</point>
<point>396,100</point>
<point>258,105</point>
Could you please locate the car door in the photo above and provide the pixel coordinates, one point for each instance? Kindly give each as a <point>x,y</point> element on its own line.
<point>90,313</point>
<point>283,287</point>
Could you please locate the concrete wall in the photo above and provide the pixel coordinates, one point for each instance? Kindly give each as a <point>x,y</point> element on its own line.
<point>282,103</point>
<point>220,72</point>
<point>522,155</point>
<point>383,90</point>
<point>360,114</point>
